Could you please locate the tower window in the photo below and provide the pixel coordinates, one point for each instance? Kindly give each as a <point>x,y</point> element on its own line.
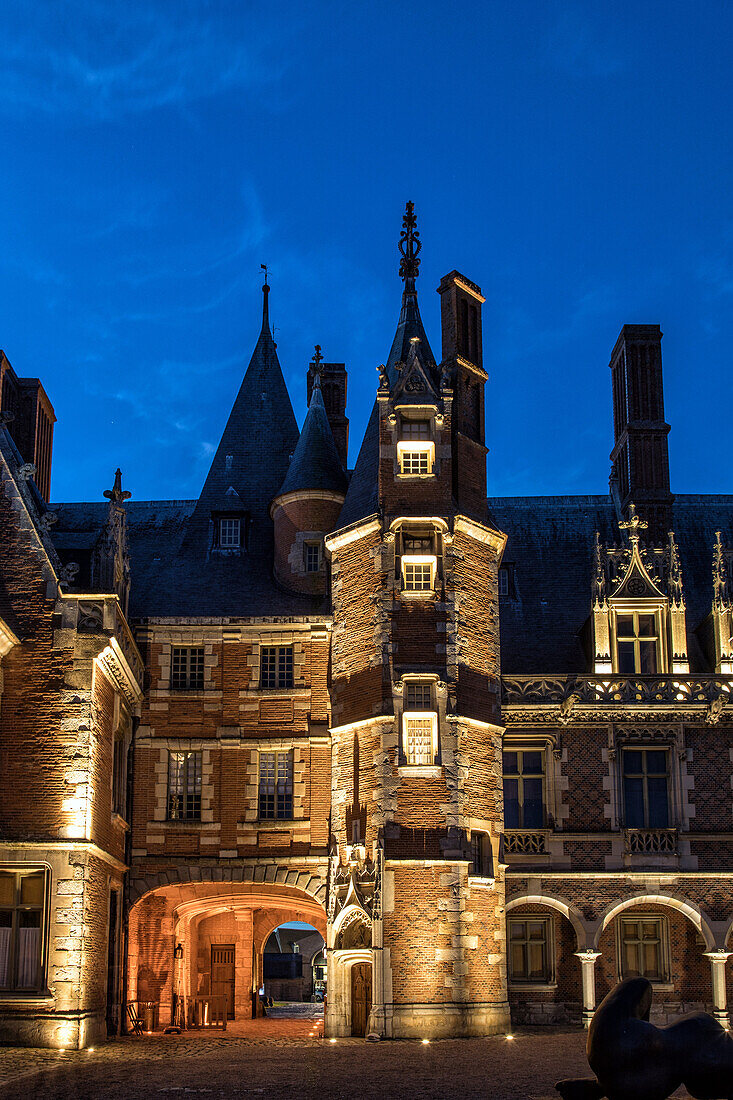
<point>415,449</point>
<point>276,666</point>
<point>419,563</point>
<point>187,668</point>
<point>420,724</point>
<point>312,556</point>
<point>481,855</point>
<point>230,533</point>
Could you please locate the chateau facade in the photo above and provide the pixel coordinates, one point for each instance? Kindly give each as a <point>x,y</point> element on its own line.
<point>485,747</point>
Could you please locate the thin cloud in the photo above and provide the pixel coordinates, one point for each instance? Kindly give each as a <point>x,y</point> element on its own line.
<point>115,60</point>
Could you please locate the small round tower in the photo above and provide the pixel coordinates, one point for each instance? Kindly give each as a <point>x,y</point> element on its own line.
<point>308,504</point>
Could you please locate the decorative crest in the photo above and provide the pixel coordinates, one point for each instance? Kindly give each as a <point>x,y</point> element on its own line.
<point>410,245</point>
<point>721,591</point>
<point>116,495</point>
<point>633,524</point>
<point>316,364</point>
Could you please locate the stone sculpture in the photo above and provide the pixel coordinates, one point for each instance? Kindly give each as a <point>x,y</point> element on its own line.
<point>634,1060</point>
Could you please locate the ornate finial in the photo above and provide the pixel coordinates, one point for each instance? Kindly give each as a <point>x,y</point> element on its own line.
<point>721,593</point>
<point>316,364</point>
<point>675,572</point>
<point>410,246</point>
<point>633,524</point>
<point>599,573</point>
<point>116,495</point>
<point>265,304</point>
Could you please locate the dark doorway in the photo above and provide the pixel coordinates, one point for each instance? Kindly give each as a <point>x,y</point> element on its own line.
<point>361,997</point>
<point>222,974</point>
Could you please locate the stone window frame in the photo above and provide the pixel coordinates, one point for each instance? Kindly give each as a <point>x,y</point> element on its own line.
<point>422,446</point>
<point>289,666</point>
<point>546,743</point>
<point>665,982</point>
<point>276,752</point>
<point>438,692</point>
<point>269,636</point>
<point>164,745</point>
<point>655,608</point>
<point>533,984</point>
<point>193,818</point>
<point>419,530</point>
<point>32,992</point>
<point>671,740</point>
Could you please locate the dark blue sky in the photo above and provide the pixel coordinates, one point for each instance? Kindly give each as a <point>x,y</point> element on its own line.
<point>574,159</point>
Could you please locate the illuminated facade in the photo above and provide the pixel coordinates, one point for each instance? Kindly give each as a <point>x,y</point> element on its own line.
<point>484,747</point>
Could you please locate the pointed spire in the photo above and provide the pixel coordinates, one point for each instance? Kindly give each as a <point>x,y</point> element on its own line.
<point>315,463</point>
<point>265,304</point>
<point>116,495</point>
<point>721,589</point>
<point>675,571</point>
<point>599,573</point>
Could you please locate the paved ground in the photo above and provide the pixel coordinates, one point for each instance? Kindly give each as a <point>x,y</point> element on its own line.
<point>173,1067</point>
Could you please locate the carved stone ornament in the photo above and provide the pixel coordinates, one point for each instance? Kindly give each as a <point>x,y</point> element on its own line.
<point>715,711</point>
<point>356,882</point>
<point>27,471</point>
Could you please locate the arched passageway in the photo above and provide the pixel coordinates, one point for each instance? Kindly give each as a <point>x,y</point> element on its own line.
<point>196,949</point>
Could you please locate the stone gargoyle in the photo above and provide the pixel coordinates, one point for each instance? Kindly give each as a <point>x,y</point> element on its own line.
<point>634,1060</point>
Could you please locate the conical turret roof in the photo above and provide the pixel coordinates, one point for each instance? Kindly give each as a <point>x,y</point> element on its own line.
<point>361,499</point>
<point>315,464</point>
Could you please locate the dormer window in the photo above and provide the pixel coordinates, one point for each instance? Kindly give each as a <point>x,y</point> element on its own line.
<point>416,449</point>
<point>230,533</point>
<point>637,643</point>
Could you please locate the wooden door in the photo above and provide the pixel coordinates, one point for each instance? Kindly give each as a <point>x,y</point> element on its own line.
<point>222,974</point>
<point>361,997</point>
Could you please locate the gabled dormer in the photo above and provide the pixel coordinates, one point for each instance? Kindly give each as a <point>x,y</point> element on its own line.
<point>638,606</point>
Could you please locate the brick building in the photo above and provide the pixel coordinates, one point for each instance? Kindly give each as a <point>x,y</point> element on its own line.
<point>484,747</point>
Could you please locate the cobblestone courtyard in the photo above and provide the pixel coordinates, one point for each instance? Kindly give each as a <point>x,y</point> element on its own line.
<point>172,1067</point>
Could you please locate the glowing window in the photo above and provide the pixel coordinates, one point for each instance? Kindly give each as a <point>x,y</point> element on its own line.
<point>276,666</point>
<point>637,643</point>
<point>420,738</point>
<point>187,668</point>
<point>22,908</point>
<point>529,954</point>
<point>642,948</point>
<point>230,533</point>
<point>184,786</point>
<point>276,786</point>
<point>418,574</point>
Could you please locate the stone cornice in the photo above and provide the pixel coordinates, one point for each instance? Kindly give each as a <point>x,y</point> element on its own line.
<point>347,535</point>
<point>481,533</point>
<point>113,663</point>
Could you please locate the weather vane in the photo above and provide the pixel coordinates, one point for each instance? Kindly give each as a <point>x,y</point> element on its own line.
<point>264,268</point>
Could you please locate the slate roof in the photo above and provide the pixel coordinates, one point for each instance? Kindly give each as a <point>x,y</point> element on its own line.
<point>550,555</point>
<point>315,464</point>
<point>362,497</point>
<point>175,571</point>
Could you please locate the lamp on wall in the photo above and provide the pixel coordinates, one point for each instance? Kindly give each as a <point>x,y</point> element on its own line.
<point>178,951</point>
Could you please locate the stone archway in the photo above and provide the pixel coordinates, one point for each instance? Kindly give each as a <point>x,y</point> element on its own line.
<point>173,928</point>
